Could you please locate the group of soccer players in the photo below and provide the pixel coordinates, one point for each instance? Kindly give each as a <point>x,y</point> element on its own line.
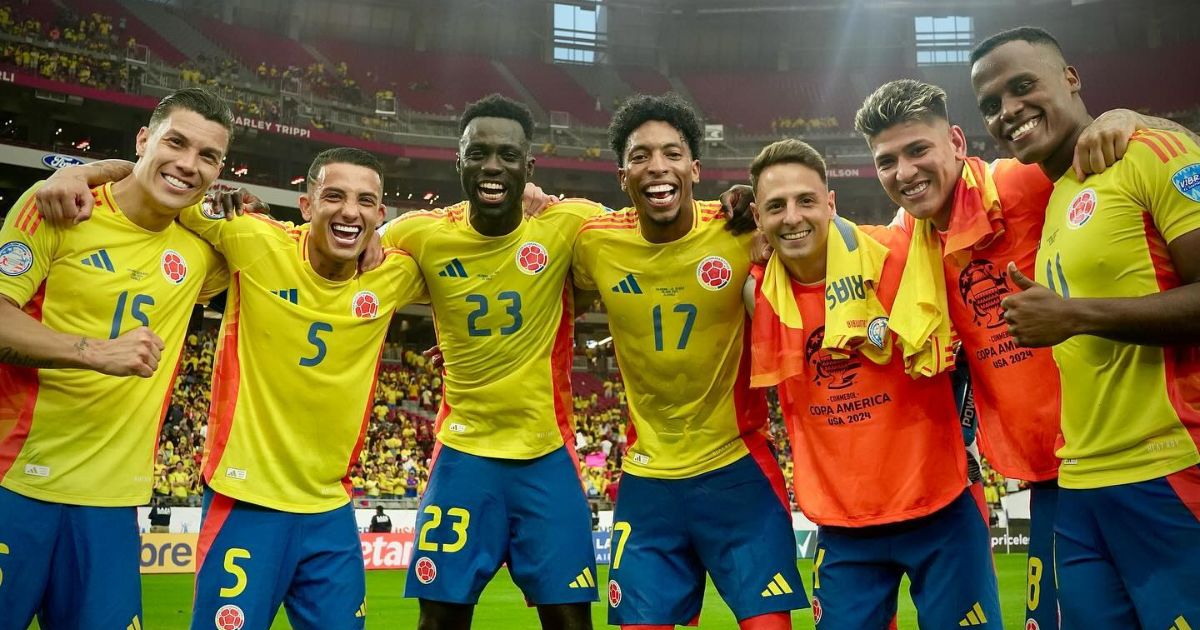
<point>855,326</point>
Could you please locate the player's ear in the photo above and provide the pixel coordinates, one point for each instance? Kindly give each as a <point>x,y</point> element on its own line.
<point>529,168</point>
<point>958,140</point>
<point>458,164</point>
<point>832,203</point>
<point>754,213</point>
<point>143,136</point>
<point>1073,80</point>
<point>695,171</point>
<point>621,173</point>
<point>305,207</point>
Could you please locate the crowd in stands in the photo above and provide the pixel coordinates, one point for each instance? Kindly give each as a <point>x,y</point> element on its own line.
<point>90,49</point>
<point>784,125</point>
<point>394,462</point>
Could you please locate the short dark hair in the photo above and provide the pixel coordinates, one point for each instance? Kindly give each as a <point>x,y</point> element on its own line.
<point>669,108</point>
<point>498,106</point>
<point>897,102</point>
<point>1031,34</point>
<point>787,151</point>
<point>343,155</point>
<point>199,100</point>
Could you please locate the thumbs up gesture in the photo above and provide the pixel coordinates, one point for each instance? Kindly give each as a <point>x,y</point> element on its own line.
<point>1037,317</point>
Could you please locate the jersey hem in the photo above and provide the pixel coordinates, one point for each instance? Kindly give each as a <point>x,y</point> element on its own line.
<point>88,500</point>
<point>500,454</point>
<point>274,504</point>
<point>889,519</point>
<point>736,453</point>
<point>1092,480</point>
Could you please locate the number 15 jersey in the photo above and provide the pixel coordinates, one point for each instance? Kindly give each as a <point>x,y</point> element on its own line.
<point>504,315</point>
<point>77,436</point>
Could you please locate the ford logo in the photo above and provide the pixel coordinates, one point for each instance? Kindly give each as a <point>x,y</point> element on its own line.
<point>56,161</point>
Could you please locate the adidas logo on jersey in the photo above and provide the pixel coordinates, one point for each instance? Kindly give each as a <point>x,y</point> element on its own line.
<point>1181,624</point>
<point>361,613</point>
<point>287,294</point>
<point>975,617</point>
<point>584,580</point>
<point>777,586</point>
<point>136,624</point>
<point>454,270</point>
<point>99,260</point>
<point>628,285</point>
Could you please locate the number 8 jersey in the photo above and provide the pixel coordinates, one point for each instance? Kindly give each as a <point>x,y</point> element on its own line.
<point>78,436</point>
<point>504,315</point>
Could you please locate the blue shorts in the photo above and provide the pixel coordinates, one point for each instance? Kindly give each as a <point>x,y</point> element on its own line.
<point>73,566</point>
<point>731,522</point>
<point>1128,556</point>
<point>480,512</point>
<point>250,559</point>
<point>1041,592</point>
<point>947,556</point>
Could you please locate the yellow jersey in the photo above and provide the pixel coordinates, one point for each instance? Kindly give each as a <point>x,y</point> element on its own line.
<point>296,365</point>
<point>1129,412</point>
<point>503,310</point>
<point>678,323</point>
<point>78,436</point>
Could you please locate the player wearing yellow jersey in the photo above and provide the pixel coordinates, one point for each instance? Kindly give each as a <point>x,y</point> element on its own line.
<point>698,459</point>
<point>1118,297</point>
<point>277,503</point>
<point>504,484</point>
<point>85,308</point>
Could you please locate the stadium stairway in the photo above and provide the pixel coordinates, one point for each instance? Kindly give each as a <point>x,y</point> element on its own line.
<point>177,30</point>
<point>507,74</point>
<point>679,88</point>
<point>601,82</point>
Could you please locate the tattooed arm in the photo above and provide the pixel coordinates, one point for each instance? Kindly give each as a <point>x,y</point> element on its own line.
<point>26,342</point>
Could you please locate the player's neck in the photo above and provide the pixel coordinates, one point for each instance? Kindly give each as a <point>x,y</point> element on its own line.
<point>495,222</point>
<point>139,207</point>
<point>1061,159</point>
<point>328,268</point>
<point>807,270</point>
<point>655,232</point>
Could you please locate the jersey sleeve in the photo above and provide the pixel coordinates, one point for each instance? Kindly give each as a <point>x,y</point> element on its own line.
<point>409,283</point>
<point>217,278</point>
<point>240,240</point>
<point>27,247</point>
<point>581,266</point>
<point>1166,180</point>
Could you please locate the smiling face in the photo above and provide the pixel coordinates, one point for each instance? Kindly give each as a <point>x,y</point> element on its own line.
<point>1030,102</point>
<point>794,207</point>
<point>659,172</point>
<point>343,205</point>
<point>179,158</point>
<point>493,165</point>
<point>918,163</point>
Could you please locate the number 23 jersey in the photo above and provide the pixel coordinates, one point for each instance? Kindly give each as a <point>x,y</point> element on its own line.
<point>504,315</point>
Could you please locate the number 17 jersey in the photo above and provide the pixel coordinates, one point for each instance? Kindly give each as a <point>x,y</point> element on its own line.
<point>503,310</point>
<point>676,315</point>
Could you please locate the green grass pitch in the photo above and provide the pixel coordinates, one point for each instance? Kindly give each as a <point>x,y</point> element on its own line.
<point>167,601</point>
